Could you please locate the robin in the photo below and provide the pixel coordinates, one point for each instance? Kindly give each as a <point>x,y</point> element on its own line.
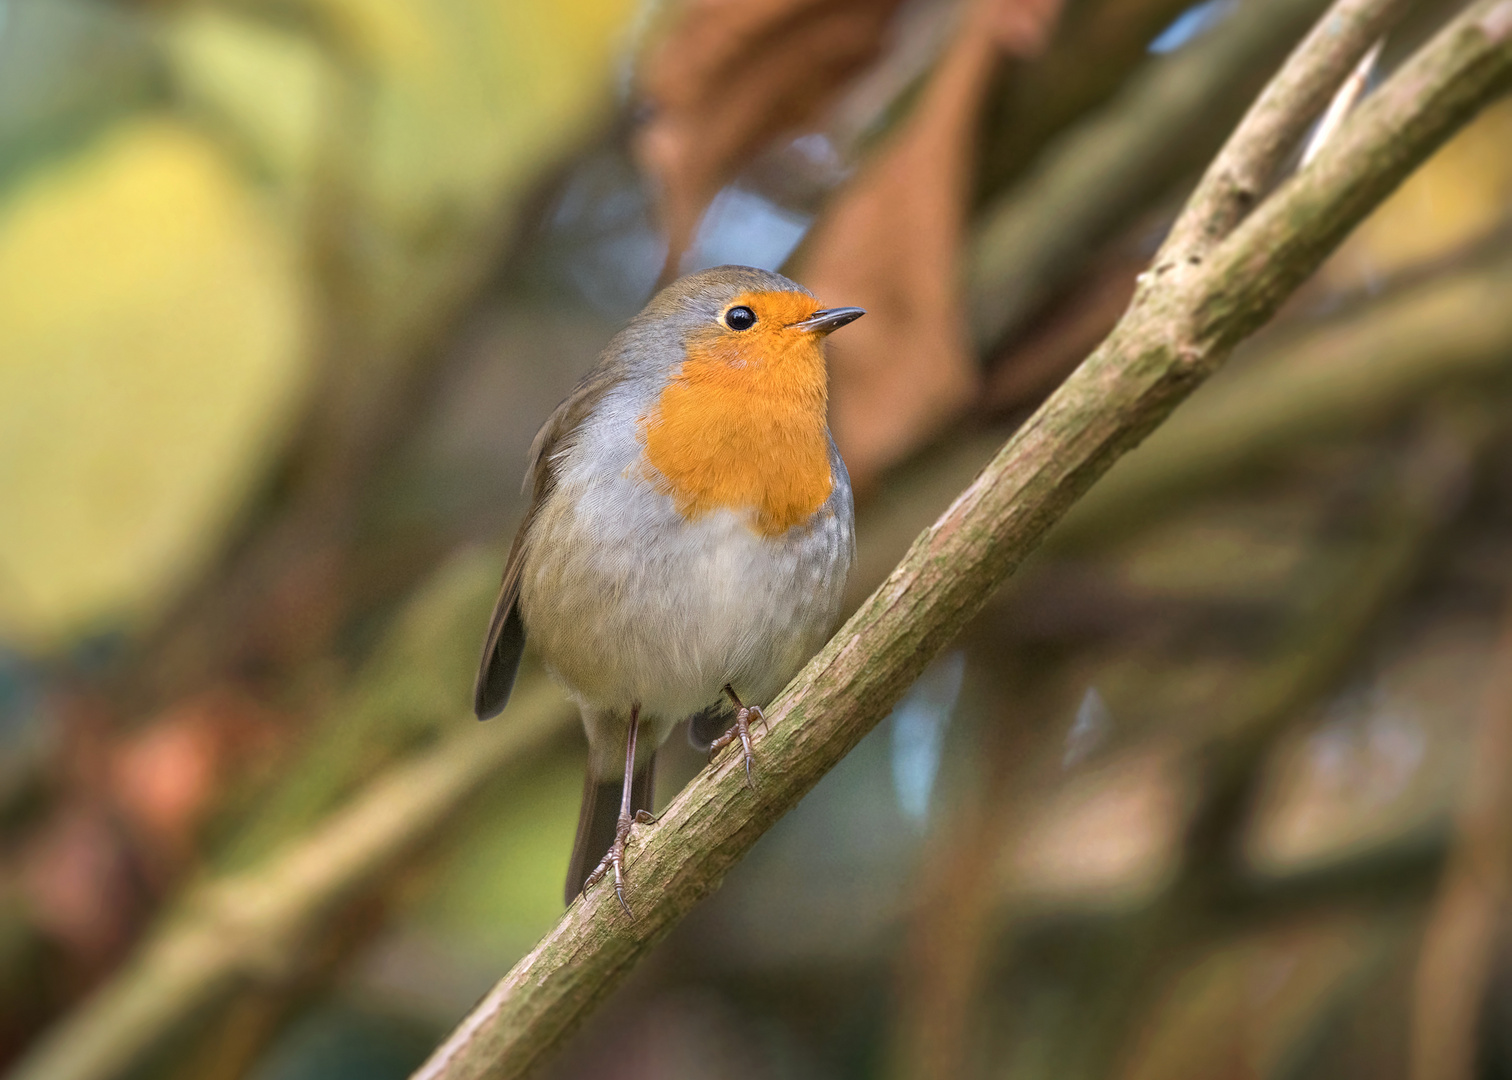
<point>688,538</point>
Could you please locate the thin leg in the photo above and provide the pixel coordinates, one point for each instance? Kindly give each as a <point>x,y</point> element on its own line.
<point>744,714</point>
<point>629,762</point>
<point>615,859</point>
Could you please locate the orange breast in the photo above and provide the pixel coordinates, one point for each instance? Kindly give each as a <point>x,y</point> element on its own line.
<point>742,424</point>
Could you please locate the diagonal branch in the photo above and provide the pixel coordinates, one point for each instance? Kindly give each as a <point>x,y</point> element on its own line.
<point>1178,330</point>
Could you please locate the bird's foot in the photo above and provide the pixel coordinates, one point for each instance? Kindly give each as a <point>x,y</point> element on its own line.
<point>615,859</point>
<point>744,714</point>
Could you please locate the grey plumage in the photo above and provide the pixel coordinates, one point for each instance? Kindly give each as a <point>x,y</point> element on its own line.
<point>625,599</point>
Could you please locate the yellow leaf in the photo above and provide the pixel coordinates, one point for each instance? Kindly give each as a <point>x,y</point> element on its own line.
<point>475,96</point>
<point>150,353</point>
<point>267,83</point>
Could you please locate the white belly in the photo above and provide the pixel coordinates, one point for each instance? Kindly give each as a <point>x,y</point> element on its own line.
<point>628,603</point>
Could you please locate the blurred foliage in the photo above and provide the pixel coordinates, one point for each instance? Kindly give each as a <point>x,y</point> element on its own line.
<point>152,331</point>
<point>156,279</point>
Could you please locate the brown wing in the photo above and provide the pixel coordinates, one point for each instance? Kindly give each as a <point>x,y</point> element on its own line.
<point>506,632</point>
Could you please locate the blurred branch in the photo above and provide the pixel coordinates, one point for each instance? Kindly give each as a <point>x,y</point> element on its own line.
<point>1171,114</point>
<point>256,925</point>
<point>1422,489</point>
<point>952,939</point>
<point>1351,372</point>
<point>1468,917</point>
<point>965,918</point>
<point>399,702</point>
<point>404,696</point>
<point>1177,332</point>
<point>327,831</point>
<point>1090,56</point>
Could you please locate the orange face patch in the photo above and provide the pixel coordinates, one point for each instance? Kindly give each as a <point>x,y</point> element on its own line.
<point>742,424</point>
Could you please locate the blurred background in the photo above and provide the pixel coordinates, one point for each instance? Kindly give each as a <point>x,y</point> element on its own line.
<point>1219,786</point>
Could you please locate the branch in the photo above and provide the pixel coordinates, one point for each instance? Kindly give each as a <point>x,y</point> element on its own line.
<point>1242,171</point>
<point>1446,83</point>
<point>1089,59</point>
<point>1178,330</point>
<point>1356,371</point>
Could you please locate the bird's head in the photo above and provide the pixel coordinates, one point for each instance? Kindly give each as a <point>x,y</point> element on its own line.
<point>741,419</point>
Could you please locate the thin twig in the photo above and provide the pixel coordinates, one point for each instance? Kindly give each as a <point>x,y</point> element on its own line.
<point>1344,100</point>
<point>1171,339</point>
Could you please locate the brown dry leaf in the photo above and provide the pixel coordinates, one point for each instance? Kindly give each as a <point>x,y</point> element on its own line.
<point>165,778</point>
<point>80,885</point>
<point>730,76</point>
<point>891,244</point>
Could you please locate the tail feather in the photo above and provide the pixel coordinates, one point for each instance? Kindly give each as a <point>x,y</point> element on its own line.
<point>599,818</point>
<point>706,726</point>
<point>501,659</point>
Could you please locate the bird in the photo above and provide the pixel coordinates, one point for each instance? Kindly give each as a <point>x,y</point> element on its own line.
<point>687,540</point>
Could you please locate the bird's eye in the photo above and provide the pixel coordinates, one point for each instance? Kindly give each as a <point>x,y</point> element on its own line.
<point>740,318</point>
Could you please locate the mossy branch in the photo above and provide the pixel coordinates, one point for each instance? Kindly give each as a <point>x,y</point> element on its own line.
<point>1182,324</point>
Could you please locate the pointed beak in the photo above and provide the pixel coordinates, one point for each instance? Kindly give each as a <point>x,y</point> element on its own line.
<point>828,320</point>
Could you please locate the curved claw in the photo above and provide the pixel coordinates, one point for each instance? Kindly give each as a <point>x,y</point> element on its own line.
<point>741,731</point>
<point>615,860</point>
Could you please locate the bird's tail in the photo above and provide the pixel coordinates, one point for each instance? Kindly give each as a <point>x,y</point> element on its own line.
<point>600,816</point>
<point>706,726</point>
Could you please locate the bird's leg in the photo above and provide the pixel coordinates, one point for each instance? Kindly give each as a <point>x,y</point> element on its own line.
<point>744,714</point>
<point>615,859</point>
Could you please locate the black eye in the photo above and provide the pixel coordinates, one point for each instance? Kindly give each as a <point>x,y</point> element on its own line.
<point>740,318</point>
